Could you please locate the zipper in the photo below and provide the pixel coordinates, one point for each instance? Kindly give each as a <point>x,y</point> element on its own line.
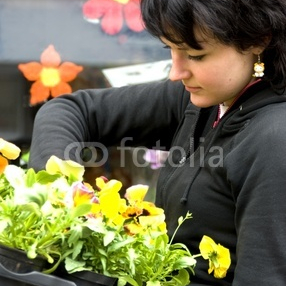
<point>188,154</point>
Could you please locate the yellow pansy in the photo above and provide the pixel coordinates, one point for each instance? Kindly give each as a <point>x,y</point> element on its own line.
<point>218,256</point>
<point>133,228</point>
<point>68,168</point>
<point>82,194</point>
<point>110,202</point>
<point>9,151</point>
<point>151,209</point>
<point>156,222</point>
<point>136,194</point>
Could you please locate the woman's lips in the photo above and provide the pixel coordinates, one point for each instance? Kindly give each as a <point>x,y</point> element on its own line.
<point>192,89</point>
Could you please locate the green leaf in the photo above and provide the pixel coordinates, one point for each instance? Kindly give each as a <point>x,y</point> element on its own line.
<point>120,244</point>
<point>123,279</point>
<point>81,210</point>
<point>108,237</point>
<point>43,177</point>
<point>32,251</point>
<point>75,234</point>
<point>153,283</point>
<point>37,196</point>
<point>77,249</point>
<point>30,177</point>
<point>31,208</point>
<point>184,262</point>
<point>4,223</point>
<point>72,265</point>
<point>183,276</point>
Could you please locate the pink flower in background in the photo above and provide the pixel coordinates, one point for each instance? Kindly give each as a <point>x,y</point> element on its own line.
<point>111,14</point>
<point>156,158</point>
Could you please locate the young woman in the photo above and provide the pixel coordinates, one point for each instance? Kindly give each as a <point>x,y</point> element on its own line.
<point>221,115</point>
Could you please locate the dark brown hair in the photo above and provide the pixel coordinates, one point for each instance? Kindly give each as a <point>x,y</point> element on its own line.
<point>240,23</point>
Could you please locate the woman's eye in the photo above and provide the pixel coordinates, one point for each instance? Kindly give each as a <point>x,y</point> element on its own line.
<point>195,58</point>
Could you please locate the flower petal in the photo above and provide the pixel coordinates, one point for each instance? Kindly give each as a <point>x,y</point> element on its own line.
<point>132,228</point>
<point>152,221</point>
<point>39,93</point>
<point>110,204</point>
<point>218,256</point>
<point>68,168</point>
<point>151,209</point>
<point>9,150</point>
<point>207,246</point>
<point>94,9</point>
<point>81,194</point>
<point>100,182</point>
<point>31,70</point>
<point>3,164</point>
<point>132,15</point>
<point>224,256</point>
<point>61,88</point>
<point>136,193</point>
<point>112,21</point>
<point>220,272</point>
<point>68,71</point>
<point>50,57</point>
<point>112,186</point>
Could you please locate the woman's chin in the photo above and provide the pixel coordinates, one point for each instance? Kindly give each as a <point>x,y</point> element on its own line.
<point>201,102</point>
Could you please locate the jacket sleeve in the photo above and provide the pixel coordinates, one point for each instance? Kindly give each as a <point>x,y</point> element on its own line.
<point>133,115</point>
<point>257,172</point>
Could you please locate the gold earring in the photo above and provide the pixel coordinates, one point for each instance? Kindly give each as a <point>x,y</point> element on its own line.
<point>258,68</point>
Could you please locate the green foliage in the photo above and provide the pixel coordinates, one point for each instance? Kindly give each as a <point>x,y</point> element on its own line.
<point>31,219</point>
<point>142,258</point>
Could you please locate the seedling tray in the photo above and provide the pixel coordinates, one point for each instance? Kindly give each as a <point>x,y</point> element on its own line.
<point>34,278</point>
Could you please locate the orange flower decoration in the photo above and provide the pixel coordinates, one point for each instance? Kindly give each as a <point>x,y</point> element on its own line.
<point>50,76</point>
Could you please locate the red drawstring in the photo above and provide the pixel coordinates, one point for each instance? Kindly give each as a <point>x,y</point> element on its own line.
<point>218,117</point>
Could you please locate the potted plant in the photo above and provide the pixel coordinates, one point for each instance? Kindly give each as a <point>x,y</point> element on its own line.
<point>55,215</point>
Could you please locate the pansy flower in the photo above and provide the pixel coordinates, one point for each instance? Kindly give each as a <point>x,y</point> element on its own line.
<point>113,13</point>
<point>145,214</point>
<point>50,75</point>
<point>218,256</point>
<point>68,168</point>
<point>156,158</point>
<point>9,151</point>
<point>110,202</point>
<point>82,194</point>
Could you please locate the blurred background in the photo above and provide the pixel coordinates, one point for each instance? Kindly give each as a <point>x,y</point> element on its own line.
<point>105,37</point>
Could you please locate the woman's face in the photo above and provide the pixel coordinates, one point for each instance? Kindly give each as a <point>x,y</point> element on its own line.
<point>216,74</point>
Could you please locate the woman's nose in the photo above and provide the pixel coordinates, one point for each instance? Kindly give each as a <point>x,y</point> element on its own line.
<point>179,69</point>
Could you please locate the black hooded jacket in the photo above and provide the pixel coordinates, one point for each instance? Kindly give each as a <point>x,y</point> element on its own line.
<point>230,175</point>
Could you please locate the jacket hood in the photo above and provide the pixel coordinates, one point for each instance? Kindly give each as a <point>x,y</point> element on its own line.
<point>254,97</point>
<point>239,114</point>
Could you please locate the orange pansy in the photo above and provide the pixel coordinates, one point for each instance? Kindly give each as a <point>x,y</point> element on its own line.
<point>3,164</point>
<point>50,75</point>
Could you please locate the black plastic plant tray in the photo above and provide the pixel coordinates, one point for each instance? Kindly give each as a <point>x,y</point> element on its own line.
<point>9,278</point>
